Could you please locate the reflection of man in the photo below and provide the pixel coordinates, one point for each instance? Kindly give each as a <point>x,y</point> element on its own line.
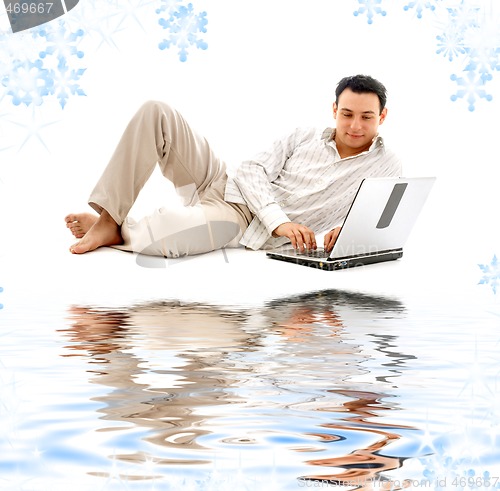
<point>164,391</point>
<point>299,324</point>
<point>363,466</point>
<point>303,185</point>
<point>306,318</point>
<point>170,364</point>
<point>302,313</point>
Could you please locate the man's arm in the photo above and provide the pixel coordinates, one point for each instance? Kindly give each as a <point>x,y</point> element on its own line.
<point>254,178</point>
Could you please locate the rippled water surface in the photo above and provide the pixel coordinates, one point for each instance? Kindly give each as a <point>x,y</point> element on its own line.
<point>328,389</point>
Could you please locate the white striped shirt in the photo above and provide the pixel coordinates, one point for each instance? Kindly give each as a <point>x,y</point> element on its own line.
<point>303,179</point>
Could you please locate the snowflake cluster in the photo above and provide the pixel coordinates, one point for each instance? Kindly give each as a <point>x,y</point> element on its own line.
<point>469,37</point>
<point>40,68</point>
<point>183,25</point>
<point>45,61</point>
<point>491,274</point>
<point>474,36</point>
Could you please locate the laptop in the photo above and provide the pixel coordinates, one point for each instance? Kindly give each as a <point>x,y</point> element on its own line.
<point>376,226</point>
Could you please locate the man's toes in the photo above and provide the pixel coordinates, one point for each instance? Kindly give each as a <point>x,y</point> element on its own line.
<point>70,218</point>
<point>76,229</point>
<point>77,248</point>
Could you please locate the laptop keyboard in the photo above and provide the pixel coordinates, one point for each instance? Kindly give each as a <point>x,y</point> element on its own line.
<point>314,253</point>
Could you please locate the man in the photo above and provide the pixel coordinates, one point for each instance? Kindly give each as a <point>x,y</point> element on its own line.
<point>303,185</point>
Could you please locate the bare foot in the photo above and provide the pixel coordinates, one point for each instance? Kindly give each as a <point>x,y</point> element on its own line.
<point>104,232</point>
<point>80,223</point>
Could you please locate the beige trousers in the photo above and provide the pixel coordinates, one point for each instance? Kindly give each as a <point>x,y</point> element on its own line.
<point>158,134</point>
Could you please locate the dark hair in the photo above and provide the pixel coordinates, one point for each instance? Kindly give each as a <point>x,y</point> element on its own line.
<point>361,84</point>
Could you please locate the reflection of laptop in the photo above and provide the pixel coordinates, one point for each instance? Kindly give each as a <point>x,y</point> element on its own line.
<point>376,227</point>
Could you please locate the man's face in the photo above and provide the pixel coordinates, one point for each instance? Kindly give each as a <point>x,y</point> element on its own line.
<point>358,118</point>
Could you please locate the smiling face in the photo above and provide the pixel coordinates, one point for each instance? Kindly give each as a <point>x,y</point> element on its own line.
<point>358,117</point>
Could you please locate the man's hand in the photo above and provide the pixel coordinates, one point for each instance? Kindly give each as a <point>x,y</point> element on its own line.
<point>331,238</point>
<point>302,237</point>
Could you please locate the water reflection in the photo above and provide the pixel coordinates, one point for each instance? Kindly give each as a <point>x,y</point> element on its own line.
<point>363,467</point>
<point>344,313</point>
<point>163,391</point>
<point>323,365</point>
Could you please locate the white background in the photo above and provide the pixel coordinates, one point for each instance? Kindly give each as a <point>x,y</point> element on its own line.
<point>270,66</point>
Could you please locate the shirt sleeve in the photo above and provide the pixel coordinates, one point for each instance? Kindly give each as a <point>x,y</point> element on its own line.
<point>254,179</point>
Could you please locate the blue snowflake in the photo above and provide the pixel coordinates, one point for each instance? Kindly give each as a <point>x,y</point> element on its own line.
<point>420,5</point>
<point>27,82</point>
<point>483,60</point>
<point>491,274</point>
<point>1,305</point>
<point>184,26</point>
<point>371,8</point>
<point>451,43</point>
<point>64,82</point>
<point>464,16</point>
<point>471,88</point>
<point>60,41</point>
<point>33,127</point>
